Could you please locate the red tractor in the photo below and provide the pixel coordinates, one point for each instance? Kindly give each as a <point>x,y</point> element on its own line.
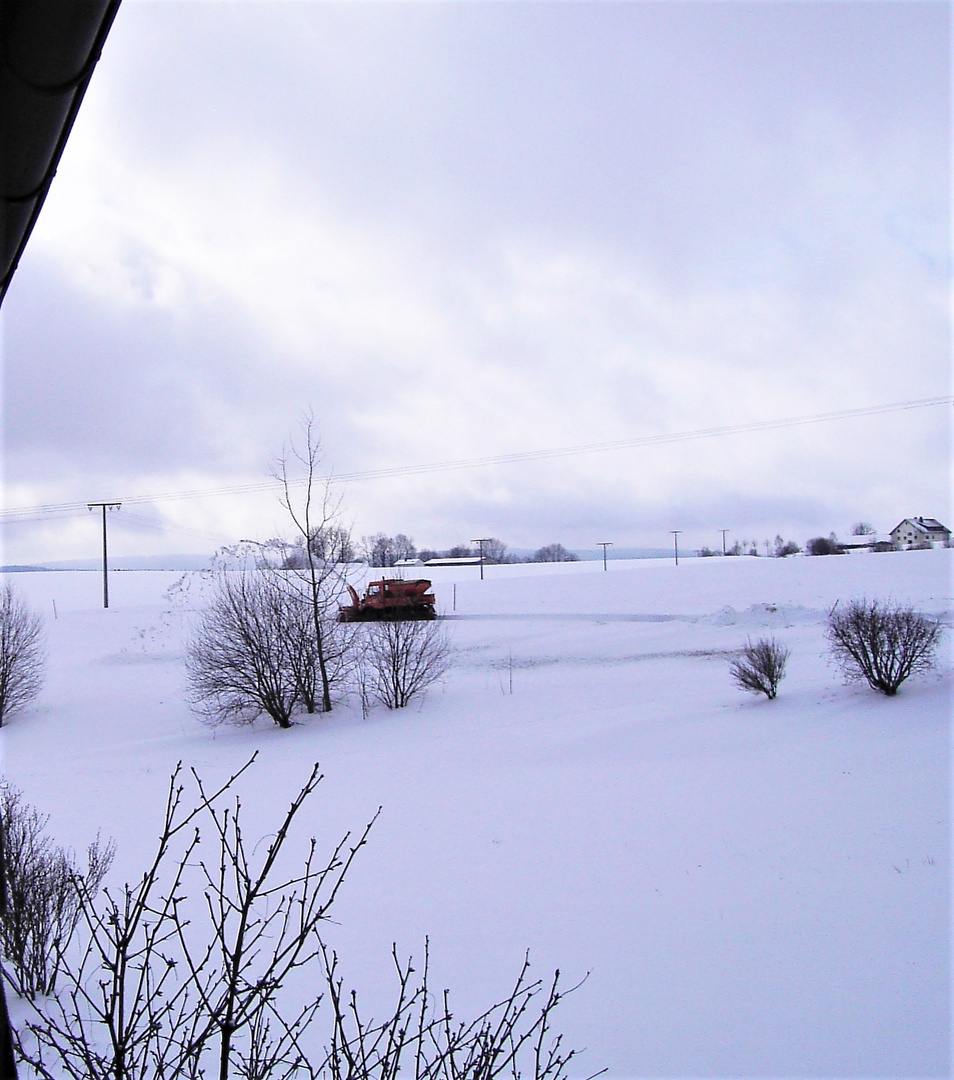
<point>390,599</point>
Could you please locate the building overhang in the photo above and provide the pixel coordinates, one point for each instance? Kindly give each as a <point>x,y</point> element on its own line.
<point>48,50</point>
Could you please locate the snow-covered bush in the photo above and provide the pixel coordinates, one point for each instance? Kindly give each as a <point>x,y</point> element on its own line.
<point>42,889</point>
<point>882,643</point>
<point>22,653</point>
<point>401,660</point>
<point>760,667</point>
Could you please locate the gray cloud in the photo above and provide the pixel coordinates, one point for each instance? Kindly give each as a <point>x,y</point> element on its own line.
<point>457,230</point>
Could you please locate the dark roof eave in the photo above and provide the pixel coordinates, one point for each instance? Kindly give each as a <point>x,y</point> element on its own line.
<point>48,50</point>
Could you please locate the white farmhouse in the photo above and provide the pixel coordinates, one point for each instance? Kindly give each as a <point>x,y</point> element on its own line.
<point>918,531</point>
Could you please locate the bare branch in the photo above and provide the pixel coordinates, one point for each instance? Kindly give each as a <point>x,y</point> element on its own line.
<point>151,995</point>
<point>22,653</point>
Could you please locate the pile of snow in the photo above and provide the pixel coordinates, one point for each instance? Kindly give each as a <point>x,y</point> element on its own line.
<point>755,888</point>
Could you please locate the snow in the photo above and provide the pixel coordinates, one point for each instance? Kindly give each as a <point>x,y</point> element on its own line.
<point>755,888</point>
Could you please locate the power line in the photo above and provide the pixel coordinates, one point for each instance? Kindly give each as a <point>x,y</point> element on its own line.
<point>18,513</point>
<point>136,520</point>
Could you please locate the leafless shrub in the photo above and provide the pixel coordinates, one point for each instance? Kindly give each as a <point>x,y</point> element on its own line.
<point>241,661</point>
<point>161,988</point>
<point>402,659</point>
<point>882,643</point>
<point>22,653</point>
<point>761,667</point>
<point>42,888</point>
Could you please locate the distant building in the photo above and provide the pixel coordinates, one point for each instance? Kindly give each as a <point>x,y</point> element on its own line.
<point>920,530</point>
<point>884,545</point>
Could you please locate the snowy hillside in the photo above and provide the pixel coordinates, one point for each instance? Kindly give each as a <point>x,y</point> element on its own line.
<point>756,888</point>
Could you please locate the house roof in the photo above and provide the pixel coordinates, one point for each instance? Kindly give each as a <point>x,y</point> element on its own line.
<point>925,524</point>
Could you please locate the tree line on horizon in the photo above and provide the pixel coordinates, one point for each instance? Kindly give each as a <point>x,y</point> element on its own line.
<point>381,550</point>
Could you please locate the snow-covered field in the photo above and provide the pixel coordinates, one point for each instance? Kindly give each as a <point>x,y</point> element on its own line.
<point>756,888</point>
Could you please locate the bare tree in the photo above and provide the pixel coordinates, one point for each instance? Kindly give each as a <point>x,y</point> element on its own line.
<point>243,659</point>
<point>333,544</point>
<point>862,528</point>
<point>43,886</point>
<point>882,643</point>
<point>382,551</point>
<point>315,515</point>
<point>553,553</point>
<point>269,641</point>
<point>402,659</point>
<point>377,549</point>
<point>461,551</point>
<point>22,653</point>
<point>495,551</point>
<point>404,548</point>
<point>760,667</point>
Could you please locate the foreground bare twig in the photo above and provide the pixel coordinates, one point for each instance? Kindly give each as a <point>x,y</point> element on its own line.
<point>183,975</point>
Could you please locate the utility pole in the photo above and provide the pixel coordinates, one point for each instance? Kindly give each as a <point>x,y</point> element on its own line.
<point>675,540</point>
<point>104,506</point>
<point>604,544</point>
<point>483,540</point>
<point>723,531</point>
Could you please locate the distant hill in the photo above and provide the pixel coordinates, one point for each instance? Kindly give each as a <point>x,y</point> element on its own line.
<point>120,562</point>
<point>626,553</point>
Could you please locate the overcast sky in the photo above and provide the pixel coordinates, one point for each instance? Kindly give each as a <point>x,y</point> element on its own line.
<point>461,230</point>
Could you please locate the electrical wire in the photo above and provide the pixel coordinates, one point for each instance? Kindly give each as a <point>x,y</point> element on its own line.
<point>24,513</point>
